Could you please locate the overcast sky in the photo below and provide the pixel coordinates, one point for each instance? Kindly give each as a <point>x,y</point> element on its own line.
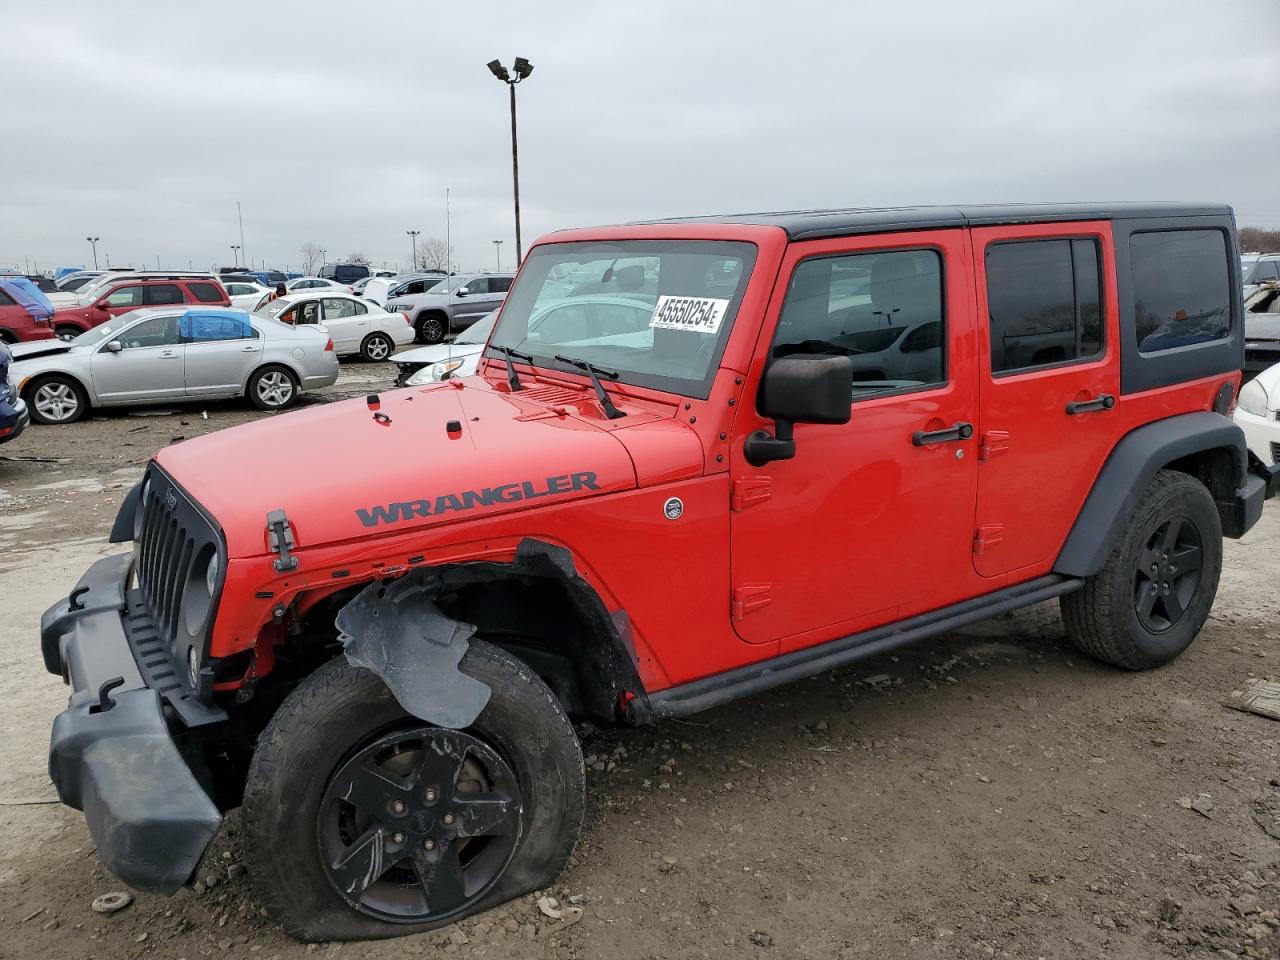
<point>344,123</point>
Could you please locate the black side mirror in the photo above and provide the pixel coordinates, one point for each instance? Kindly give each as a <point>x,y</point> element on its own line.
<point>800,390</point>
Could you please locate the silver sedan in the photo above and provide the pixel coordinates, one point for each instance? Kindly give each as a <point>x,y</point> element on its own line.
<point>166,355</point>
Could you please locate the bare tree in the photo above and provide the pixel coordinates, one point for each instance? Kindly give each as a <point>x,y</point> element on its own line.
<point>310,257</point>
<point>433,254</point>
<point>1256,238</point>
<point>358,258</point>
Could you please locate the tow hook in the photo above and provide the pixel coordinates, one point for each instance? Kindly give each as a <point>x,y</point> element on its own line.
<point>105,702</point>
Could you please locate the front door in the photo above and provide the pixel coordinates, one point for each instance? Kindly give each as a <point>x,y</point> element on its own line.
<point>1050,383</point>
<point>473,300</point>
<point>148,366</point>
<point>871,520</point>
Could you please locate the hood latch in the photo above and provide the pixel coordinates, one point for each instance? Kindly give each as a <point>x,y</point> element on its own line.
<point>280,538</point>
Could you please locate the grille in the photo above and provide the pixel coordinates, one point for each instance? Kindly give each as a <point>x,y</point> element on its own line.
<point>1275,452</point>
<point>171,610</point>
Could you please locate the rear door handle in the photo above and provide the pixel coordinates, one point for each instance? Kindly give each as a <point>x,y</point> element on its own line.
<point>957,431</point>
<point>168,355</point>
<point>248,349</point>
<point>1103,401</point>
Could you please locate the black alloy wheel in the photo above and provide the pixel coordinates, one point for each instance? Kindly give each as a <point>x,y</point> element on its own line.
<point>1168,574</point>
<point>419,823</point>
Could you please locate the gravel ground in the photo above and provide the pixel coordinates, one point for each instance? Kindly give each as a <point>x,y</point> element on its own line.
<point>989,794</point>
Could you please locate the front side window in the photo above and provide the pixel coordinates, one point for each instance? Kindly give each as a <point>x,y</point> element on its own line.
<point>1044,302</point>
<point>478,285</point>
<point>1181,288</point>
<point>654,313</point>
<point>156,332</point>
<point>883,310</point>
<point>125,297</point>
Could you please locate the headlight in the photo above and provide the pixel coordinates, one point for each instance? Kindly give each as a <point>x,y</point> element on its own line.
<point>1253,399</point>
<point>434,373</point>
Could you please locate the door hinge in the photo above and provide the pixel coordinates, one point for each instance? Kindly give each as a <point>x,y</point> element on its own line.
<point>749,491</point>
<point>992,442</point>
<point>280,538</point>
<point>986,536</point>
<point>750,598</point>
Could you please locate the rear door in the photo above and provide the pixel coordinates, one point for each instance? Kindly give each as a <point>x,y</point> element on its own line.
<point>162,295</point>
<point>346,326</point>
<point>220,357</point>
<point>1050,382</point>
<point>148,366</point>
<point>872,520</point>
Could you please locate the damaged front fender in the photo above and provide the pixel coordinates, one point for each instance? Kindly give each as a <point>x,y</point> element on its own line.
<point>397,631</point>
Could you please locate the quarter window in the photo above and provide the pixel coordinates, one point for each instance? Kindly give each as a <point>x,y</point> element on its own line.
<point>1044,303</point>
<point>206,292</point>
<point>882,310</point>
<point>1181,288</point>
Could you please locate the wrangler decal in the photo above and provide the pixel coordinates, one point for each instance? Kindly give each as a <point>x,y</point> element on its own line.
<point>470,499</point>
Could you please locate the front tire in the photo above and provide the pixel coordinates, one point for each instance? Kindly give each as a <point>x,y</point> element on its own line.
<point>66,332</point>
<point>56,399</point>
<point>273,388</point>
<point>1154,593</point>
<point>432,328</point>
<point>376,347</point>
<point>362,821</point>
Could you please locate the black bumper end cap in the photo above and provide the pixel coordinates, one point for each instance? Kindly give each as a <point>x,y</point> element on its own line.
<point>101,588</point>
<point>149,818</point>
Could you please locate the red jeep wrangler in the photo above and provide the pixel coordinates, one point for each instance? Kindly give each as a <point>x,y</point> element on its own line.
<point>700,458</point>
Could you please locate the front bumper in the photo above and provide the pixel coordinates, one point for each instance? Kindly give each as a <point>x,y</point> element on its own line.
<point>111,753</point>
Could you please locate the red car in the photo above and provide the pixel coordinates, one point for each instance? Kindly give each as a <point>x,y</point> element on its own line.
<point>830,433</point>
<point>153,291</point>
<point>24,311</point>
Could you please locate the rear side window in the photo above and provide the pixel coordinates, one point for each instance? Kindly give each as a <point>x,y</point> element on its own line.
<point>882,310</point>
<point>158,294</point>
<point>1044,303</point>
<point>1181,288</point>
<point>499,284</point>
<point>206,292</point>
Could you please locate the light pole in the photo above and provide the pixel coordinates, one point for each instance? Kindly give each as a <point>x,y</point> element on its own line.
<point>322,252</point>
<point>94,243</point>
<point>520,70</point>
<point>497,247</point>
<point>235,254</point>
<point>413,264</point>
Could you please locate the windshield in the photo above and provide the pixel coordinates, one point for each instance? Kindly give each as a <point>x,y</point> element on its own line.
<point>479,331</point>
<point>106,331</point>
<point>655,312</point>
<point>275,307</point>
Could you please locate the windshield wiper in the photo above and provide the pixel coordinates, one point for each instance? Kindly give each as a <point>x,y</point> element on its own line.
<point>610,411</point>
<point>508,353</point>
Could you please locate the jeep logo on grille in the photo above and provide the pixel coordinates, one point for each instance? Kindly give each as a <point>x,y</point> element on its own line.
<point>171,498</point>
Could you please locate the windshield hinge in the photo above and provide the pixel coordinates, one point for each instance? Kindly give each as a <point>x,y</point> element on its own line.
<point>280,539</point>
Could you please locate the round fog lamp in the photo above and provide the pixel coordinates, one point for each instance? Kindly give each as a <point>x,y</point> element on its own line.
<point>193,667</point>
<point>211,575</point>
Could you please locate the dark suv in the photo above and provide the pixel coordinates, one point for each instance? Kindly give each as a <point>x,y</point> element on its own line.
<point>150,291</point>
<point>699,459</point>
<point>347,273</point>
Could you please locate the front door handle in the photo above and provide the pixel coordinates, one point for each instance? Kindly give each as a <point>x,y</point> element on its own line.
<point>1103,401</point>
<point>248,349</point>
<point>957,431</point>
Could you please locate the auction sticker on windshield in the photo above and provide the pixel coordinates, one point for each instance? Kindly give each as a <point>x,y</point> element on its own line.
<point>699,314</point>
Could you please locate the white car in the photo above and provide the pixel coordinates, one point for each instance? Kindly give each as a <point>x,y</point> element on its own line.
<point>299,284</point>
<point>1258,415</point>
<point>357,327</point>
<point>244,295</point>
<point>446,360</point>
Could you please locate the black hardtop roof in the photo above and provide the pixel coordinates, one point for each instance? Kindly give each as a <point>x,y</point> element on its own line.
<point>812,224</point>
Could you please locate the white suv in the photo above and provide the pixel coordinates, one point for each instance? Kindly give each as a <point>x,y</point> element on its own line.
<point>453,304</point>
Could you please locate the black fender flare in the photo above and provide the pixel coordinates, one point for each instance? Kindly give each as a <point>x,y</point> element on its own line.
<point>1135,460</point>
<point>397,630</point>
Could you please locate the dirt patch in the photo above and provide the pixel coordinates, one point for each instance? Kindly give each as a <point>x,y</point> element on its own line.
<point>989,794</point>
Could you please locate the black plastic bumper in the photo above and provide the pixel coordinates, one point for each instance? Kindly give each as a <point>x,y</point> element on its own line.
<point>111,753</point>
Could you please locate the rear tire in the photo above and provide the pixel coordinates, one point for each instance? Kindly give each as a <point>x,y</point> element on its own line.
<point>432,328</point>
<point>1154,592</point>
<point>376,347</point>
<point>56,399</point>
<point>273,388</point>
<point>302,773</point>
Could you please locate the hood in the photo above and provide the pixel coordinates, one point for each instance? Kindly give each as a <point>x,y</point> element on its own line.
<point>341,475</point>
<point>28,296</point>
<point>38,348</point>
<point>437,354</point>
